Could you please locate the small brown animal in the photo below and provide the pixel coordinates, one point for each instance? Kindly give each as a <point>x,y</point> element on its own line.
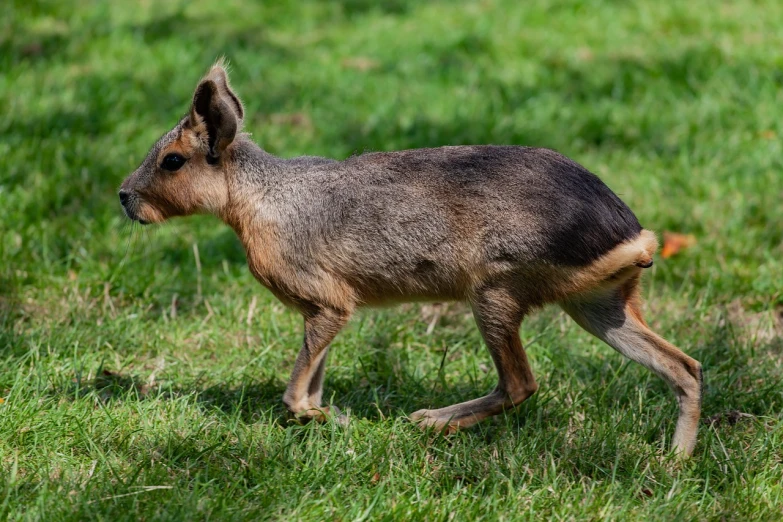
<point>506,229</point>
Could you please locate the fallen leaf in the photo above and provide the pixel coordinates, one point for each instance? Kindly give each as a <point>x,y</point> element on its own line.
<point>375,478</point>
<point>2,401</point>
<point>674,242</point>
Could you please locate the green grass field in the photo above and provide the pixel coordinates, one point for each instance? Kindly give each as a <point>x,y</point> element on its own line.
<point>142,368</point>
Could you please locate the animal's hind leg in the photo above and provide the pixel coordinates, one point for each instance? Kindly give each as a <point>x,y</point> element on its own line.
<point>614,316</point>
<point>498,314</point>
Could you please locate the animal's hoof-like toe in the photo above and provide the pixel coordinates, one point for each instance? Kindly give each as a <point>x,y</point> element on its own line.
<point>322,414</point>
<point>425,420</point>
<point>418,416</point>
<point>311,414</point>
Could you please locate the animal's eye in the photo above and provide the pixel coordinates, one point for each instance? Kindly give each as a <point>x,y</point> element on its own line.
<point>173,162</point>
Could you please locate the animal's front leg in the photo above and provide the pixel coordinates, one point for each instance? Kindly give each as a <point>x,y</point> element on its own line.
<point>316,388</point>
<point>303,394</point>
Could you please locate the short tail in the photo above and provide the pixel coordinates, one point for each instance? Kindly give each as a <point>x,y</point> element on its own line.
<point>646,244</point>
<point>617,265</point>
<point>631,254</point>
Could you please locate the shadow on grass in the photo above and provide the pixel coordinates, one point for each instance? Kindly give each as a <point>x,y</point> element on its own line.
<point>379,389</point>
<point>252,399</point>
<point>386,392</point>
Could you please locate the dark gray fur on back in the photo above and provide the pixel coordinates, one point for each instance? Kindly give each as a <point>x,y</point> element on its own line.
<point>577,217</point>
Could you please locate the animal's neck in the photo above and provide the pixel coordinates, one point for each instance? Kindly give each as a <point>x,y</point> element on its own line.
<point>248,173</point>
<point>250,164</point>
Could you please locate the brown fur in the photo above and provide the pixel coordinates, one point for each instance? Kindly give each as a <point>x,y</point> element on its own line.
<point>506,229</point>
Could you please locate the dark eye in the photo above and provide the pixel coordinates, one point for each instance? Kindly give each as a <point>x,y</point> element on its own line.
<point>173,162</point>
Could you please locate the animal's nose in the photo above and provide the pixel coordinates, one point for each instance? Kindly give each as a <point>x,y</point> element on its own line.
<point>124,197</point>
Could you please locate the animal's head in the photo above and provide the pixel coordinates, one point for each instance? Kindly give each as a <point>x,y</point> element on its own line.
<point>184,171</point>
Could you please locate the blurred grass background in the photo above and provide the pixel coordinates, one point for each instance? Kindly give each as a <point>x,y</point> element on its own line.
<point>137,385</point>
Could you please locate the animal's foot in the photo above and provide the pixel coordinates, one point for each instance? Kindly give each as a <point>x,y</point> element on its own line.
<point>430,419</point>
<point>322,414</point>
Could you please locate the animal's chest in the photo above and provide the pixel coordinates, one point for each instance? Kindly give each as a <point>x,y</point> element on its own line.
<point>267,266</point>
<point>265,260</point>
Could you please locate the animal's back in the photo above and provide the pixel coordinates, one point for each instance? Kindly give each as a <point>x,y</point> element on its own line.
<point>522,203</point>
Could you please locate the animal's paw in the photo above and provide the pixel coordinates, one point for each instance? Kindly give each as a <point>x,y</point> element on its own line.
<point>429,419</point>
<point>323,414</point>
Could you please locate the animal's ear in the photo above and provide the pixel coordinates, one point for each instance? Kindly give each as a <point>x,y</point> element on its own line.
<point>219,75</point>
<point>216,111</point>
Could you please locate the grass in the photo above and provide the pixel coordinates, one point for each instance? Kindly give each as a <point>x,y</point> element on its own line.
<point>142,370</point>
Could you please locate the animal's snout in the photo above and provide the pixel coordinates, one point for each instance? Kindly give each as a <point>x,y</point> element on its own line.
<point>124,196</point>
